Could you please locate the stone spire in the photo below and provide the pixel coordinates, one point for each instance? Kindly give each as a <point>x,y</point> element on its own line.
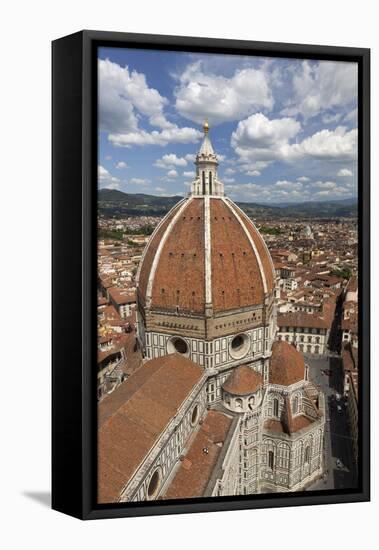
<point>206,182</point>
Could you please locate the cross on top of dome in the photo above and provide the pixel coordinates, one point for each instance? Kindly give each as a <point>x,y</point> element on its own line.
<point>206,182</point>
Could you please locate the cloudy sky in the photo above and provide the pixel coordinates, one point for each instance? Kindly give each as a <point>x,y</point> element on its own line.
<point>285,130</point>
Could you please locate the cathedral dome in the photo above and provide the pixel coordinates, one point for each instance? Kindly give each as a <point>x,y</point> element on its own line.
<point>206,255</point>
<point>206,252</point>
<point>286,364</point>
<point>243,381</point>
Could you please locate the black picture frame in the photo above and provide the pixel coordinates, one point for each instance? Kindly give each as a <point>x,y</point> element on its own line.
<point>74,272</point>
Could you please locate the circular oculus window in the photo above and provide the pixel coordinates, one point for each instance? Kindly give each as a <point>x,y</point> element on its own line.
<point>154,484</point>
<point>178,345</point>
<point>239,346</point>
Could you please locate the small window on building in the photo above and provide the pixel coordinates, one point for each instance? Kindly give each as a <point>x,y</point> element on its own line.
<point>295,405</point>
<point>178,345</point>
<point>276,407</point>
<point>271,460</point>
<point>195,415</point>
<point>154,484</point>
<point>307,455</point>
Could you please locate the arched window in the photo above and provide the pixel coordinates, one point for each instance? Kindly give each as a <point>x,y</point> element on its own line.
<point>307,455</point>
<point>276,407</point>
<point>239,403</point>
<point>271,460</point>
<point>210,183</point>
<point>295,405</point>
<point>203,181</point>
<point>195,415</point>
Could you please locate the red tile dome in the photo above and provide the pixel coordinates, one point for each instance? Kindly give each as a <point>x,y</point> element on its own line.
<point>286,364</point>
<point>206,251</point>
<point>243,381</point>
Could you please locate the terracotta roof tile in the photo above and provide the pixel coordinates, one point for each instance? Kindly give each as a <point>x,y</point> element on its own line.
<point>196,469</point>
<point>236,276</point>
<point>301,319</point>
<point>286,364</point>
<point>134,416</point>
<point>242,381</point>
<point>180,275</point>
<point>151,250</point>
<point>179,279</point>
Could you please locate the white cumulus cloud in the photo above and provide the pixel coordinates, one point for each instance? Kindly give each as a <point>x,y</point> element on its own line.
<point>125,96</point>
<point>260,141</point>
<point>289,185</point>
<point>139,181</point>
<point>162,138</point>
<point>344,172</point>
<point>253,173</point>
<point>105,178</point>
<point>170,160</point>
<point>324,185</point>
<point>325,144</point>
<point>123,92</point>
<point>172,174</point>
<point>202,94</point>
<point>321,86</point>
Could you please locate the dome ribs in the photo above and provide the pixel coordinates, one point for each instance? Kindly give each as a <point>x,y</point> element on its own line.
<point>151,250</point>
<point>180,270</point>
<point>236,278</point>
<point>206,256</point>
<point>260,245</point>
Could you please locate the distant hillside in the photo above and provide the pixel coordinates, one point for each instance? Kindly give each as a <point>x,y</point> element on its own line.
<point>116,203</point>
<point>322,209</point>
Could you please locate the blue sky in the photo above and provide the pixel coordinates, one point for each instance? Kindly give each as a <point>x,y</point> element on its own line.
<point>285,130</point>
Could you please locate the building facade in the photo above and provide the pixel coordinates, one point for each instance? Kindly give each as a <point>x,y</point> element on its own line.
<point>309,333</point>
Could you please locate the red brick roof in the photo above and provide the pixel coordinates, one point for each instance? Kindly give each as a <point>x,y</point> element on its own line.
<point>133,417</point>
<point>242,381</point>
<point>286,364</point>
<point>151,250</point>
<point>122,296</point>
<point>301,319</point>
<point>179,278</point>
<point>197,466</point>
